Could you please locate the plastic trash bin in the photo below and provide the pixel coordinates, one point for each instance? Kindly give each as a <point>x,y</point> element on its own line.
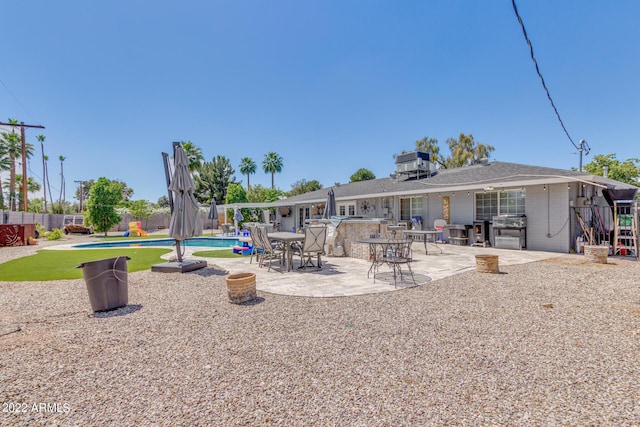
<point>107,282</point>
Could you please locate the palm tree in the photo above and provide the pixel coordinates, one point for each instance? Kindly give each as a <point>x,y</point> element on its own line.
<point>32,186</point>
<point>5,164</point>
<point>41,138</point>
<point>272,163</point>
<point>247,167</point>
<point>61,198</point>
<point>194,155</point>
<point>46,173</point>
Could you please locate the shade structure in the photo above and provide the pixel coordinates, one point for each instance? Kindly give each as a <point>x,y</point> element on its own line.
<point>185,221</point>
<point>330,207</point>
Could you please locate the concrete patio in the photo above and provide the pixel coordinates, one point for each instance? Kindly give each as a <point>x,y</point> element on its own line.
<point>344,276</point>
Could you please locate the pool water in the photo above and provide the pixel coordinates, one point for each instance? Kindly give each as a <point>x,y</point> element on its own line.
<point>209,242</point>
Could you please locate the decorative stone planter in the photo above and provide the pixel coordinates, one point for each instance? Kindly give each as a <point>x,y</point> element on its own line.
<point>241,287</point>
<point>596,254</point>
<point>487,263</point>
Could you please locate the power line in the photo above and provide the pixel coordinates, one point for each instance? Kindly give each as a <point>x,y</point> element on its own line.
<point>18,101</point>
<point>544,85</point>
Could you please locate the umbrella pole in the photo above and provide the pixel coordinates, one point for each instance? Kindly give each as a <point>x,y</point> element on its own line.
<point>178,250</point>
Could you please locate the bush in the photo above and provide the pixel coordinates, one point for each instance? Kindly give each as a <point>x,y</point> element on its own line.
<point>55,234</point>
<point>40,230</point>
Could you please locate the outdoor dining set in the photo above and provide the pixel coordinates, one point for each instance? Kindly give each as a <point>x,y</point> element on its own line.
<point>282,245</point>
<point>285,247</point>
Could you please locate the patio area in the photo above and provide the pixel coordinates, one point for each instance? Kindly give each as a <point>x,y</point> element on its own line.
<point>344,276</point>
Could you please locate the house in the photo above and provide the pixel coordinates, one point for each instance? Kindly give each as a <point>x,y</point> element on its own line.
<point>552,208</point>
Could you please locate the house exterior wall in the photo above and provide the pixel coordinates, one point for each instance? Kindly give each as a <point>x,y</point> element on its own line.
<point>548,220</point>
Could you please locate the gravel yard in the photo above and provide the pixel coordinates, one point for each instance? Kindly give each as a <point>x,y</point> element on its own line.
<point>547,343</point>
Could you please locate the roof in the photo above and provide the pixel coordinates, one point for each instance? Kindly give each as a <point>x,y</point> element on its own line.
<point>467,178</point>
<point>494,174</point>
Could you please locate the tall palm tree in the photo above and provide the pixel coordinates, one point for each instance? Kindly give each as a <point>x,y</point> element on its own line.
<point>46,173</point>
<point>194,155</point>
<point>62,195</point>
<point>5,164</point>
<point>247,167</point>
<point>41,138</point>
<point>272,163</point>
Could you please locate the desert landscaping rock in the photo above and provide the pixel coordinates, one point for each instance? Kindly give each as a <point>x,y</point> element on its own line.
<point>546,343</point>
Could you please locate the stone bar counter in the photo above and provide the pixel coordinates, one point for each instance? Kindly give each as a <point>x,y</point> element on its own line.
<point>351,230</point>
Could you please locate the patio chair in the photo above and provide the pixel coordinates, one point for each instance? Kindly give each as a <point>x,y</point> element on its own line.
<point>397,255</point>
<point>314,239</point>
<point>269,251</point>
<point>228,230</point>
<point>257,244</point>
<point>439,225</point>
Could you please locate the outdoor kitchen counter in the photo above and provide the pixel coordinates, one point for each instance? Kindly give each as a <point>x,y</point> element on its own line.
<point>352,230</point>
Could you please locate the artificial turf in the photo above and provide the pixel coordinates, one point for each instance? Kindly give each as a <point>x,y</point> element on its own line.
<point>47,265</point>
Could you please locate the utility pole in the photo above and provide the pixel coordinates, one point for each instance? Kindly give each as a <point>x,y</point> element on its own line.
<point>81,191</point>
<point>24,159</point>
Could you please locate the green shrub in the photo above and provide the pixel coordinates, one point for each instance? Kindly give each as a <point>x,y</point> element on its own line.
<point>40,229</point>
<point>55,234</point>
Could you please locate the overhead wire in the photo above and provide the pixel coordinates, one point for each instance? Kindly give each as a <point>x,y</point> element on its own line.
<point>544,85</point>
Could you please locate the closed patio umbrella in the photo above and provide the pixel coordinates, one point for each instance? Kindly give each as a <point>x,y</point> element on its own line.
<point>213,213</point>
<point>330,207</point>
<point>185,221</point>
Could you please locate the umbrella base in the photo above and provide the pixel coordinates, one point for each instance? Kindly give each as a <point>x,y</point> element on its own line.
<point>179,267</point>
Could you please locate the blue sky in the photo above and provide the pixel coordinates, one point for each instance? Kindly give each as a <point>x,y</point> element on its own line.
<point>331,86</point>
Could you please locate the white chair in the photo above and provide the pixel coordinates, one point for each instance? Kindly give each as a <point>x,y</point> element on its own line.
<point>314,239</point>
<point>439,225</point>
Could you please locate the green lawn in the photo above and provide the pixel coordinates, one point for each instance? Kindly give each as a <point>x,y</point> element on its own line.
<point>61,265</point>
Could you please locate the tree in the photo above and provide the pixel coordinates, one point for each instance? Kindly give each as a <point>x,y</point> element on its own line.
<point>236,194</point>
<point>63,196</point>
<point>194,155</point>
<point>362,174</point>
<point>627,171</point>
<point>5,165</point>
<point>430,146</point>
<point>32,187</point>
<point>141,210</point>
<point>247,167</point>
<point>104,196</point>
<point>163,202</point>
<point>259,194</point>
<point>304,186</point>
<point>272,163</point>
<point>46,167</point>
<point>41,138</point>
<point>212,179</point>
<point>465,149</point>
<point>12,144</point>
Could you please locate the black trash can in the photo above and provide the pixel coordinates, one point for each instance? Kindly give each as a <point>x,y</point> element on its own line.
<point>107,282</point>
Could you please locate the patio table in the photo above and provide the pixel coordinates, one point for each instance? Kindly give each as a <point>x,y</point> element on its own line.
<point>379,257</point>
<point>287,238</point>
<point>426,237</point>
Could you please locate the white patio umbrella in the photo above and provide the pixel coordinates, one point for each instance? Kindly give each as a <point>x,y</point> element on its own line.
<point>185,221</point>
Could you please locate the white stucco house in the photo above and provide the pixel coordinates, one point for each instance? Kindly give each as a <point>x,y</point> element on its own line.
<point>555,205</point>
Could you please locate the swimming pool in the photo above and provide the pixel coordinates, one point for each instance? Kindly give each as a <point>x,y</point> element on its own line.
<point>209,242</point>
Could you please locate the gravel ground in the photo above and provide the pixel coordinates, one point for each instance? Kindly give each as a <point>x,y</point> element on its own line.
<point>548,343</point>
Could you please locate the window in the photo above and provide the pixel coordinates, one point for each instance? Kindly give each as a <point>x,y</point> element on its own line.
<point>348,208</point>
<point>507,202</point>
<point>410,207</point>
